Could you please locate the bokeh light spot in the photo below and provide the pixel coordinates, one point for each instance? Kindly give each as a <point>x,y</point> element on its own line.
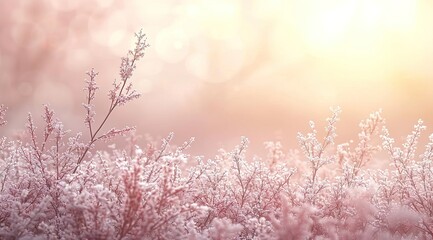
<point>172,44</point>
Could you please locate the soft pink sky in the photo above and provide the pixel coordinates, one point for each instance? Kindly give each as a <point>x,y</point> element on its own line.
<point>220,69</point>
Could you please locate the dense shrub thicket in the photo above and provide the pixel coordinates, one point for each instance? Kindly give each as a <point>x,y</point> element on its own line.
<point>56,185</point>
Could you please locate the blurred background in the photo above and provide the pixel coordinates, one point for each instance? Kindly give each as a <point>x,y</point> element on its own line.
<point>221,69</point>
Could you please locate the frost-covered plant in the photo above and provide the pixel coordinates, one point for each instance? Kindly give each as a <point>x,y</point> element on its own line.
<point>315,152</point>
<point>56,185</point>
<point>408,189</point>
<point>2,115</point>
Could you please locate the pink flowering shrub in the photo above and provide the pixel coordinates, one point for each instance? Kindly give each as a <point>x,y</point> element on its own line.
<point>55,184</point>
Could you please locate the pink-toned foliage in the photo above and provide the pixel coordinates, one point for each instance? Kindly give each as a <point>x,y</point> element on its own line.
<point>55,184</point>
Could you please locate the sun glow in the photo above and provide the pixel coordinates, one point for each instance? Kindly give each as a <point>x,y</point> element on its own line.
<point>335,26</point>
<point>352,40</point>
<point>355,35</point>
